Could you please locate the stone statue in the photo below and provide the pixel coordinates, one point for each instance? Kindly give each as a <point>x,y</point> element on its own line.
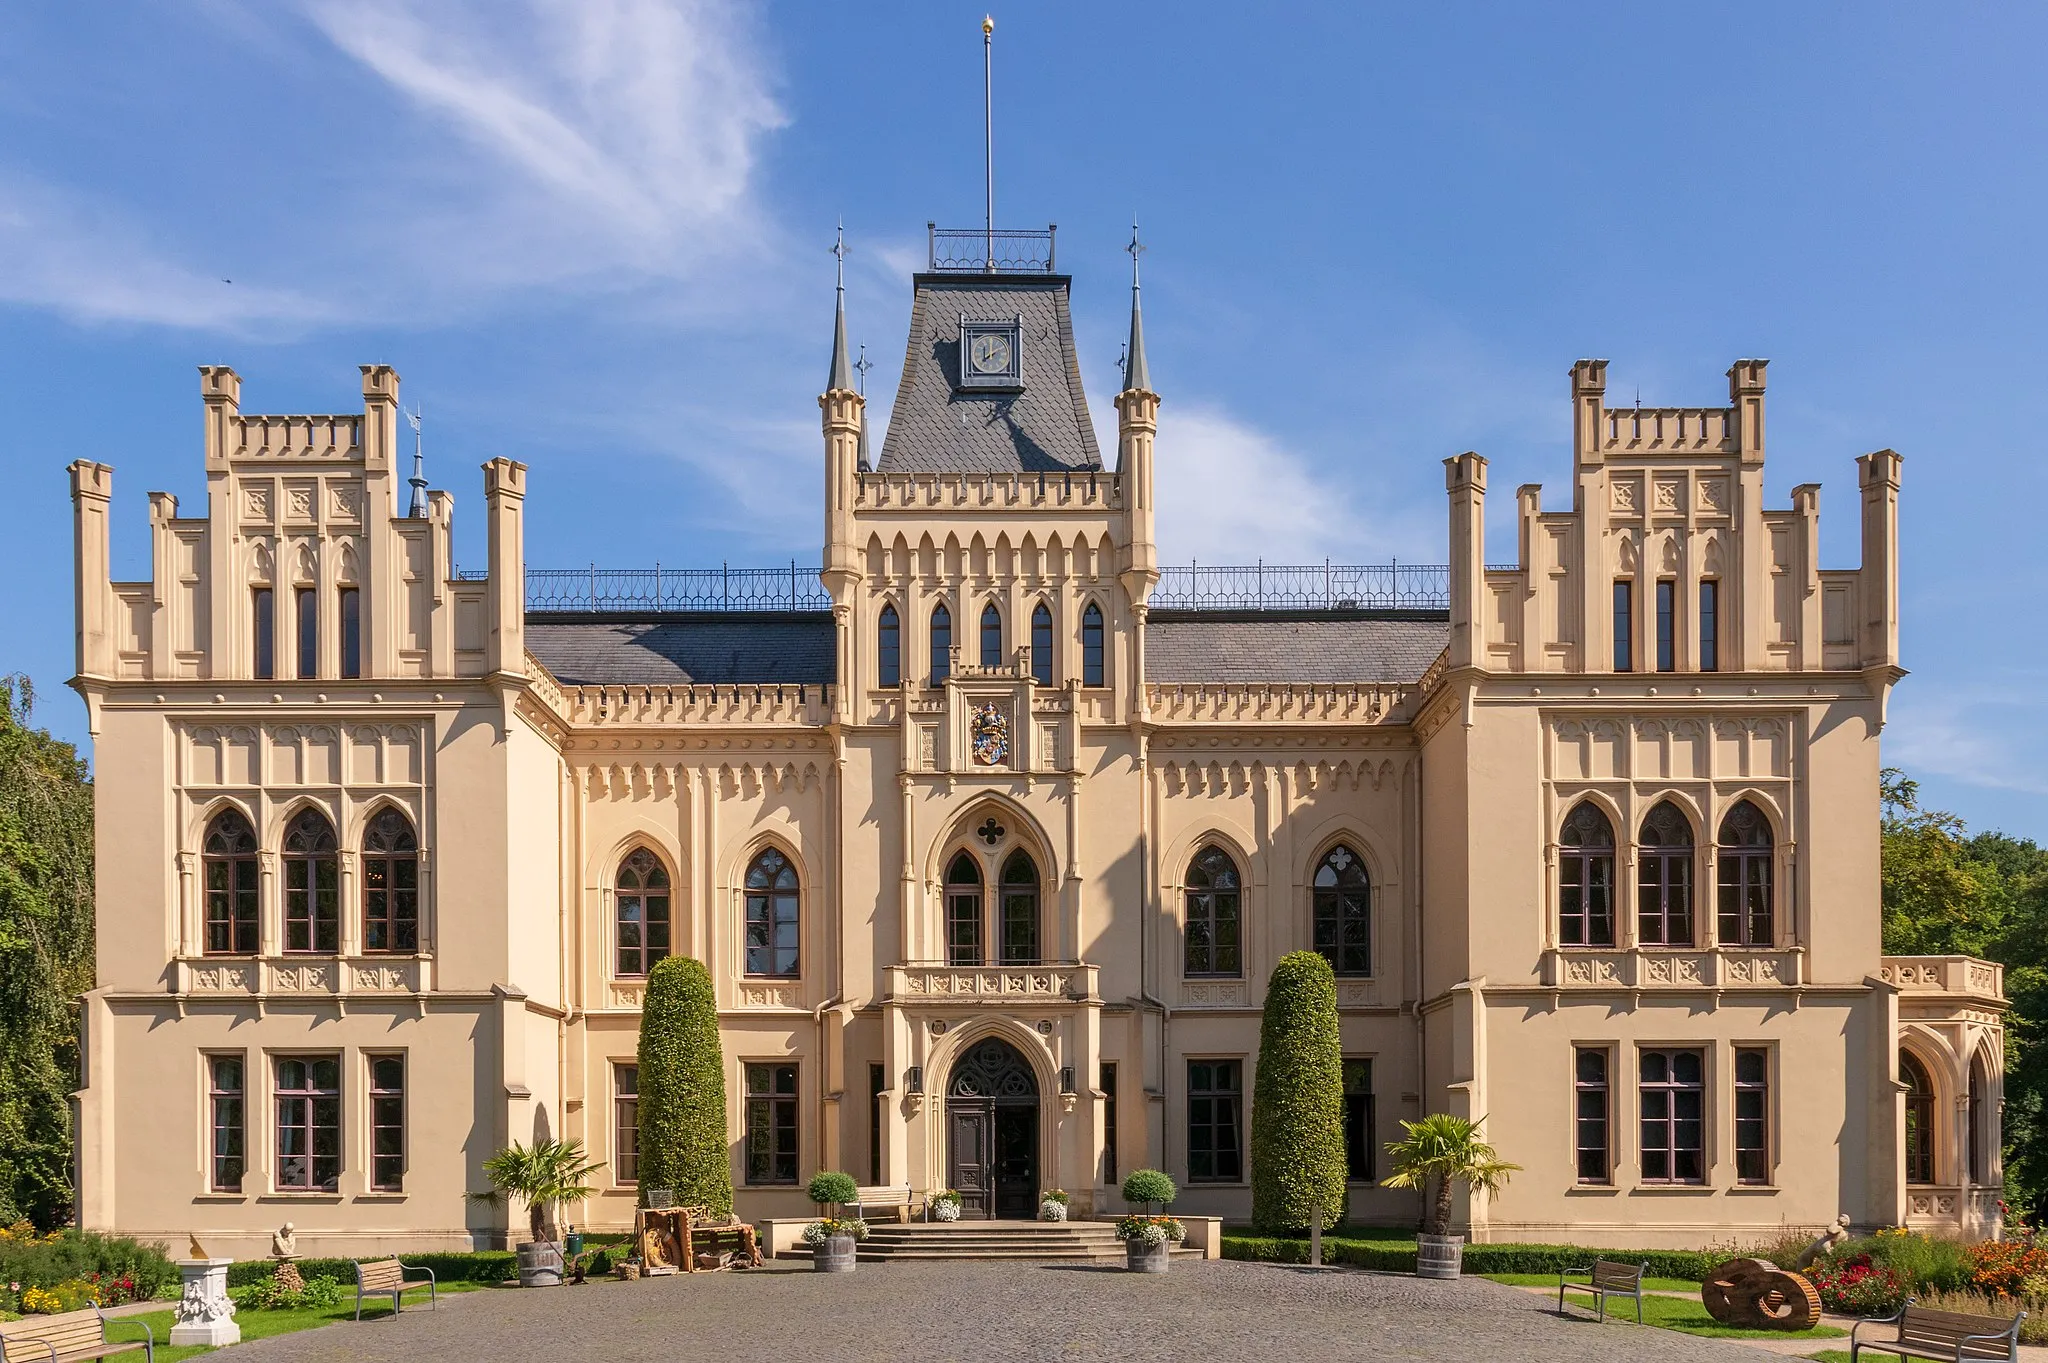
<point>1825,1246</point>
<point>282,1244</point>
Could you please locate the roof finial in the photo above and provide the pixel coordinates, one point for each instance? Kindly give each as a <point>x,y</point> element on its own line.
<point>988,135</point>
<point>861,366</point>
<point>1136,375</point>
<point>418,506</point>
<point>840,379</point>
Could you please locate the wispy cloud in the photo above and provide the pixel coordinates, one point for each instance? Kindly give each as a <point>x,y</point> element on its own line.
<point>1988,737</point>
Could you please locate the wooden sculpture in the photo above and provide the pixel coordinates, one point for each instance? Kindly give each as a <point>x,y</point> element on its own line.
<point>1759,1295</point>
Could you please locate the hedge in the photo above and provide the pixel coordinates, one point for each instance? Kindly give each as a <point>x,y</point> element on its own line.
<point>1298,1161</point>
<point>1398,1256</point>
<point>481,1266</point>
<point>682,1088</point>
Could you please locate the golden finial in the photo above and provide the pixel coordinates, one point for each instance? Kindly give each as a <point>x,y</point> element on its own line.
<point>988,24</point>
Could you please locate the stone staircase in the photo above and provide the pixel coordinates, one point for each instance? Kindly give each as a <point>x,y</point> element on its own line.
<point>1026,1241</point>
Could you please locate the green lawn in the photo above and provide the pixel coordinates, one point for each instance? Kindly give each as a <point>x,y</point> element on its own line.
<point>1549,1280</point>
<point>263,1324</point>
<point>1689,1317</point>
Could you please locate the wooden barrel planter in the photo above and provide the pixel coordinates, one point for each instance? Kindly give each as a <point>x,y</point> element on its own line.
<point>1439,1256</point>
<point>833,1255</point>
<point>540,1264</point>
<point>1140,1257</point>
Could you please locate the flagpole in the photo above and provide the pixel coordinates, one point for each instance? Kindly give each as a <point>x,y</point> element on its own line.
<point>988,137</point>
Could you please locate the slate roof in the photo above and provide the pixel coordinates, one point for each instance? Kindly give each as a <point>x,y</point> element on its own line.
<point>788,647</point>
<point>1307,646</point>
<point>935,427</point>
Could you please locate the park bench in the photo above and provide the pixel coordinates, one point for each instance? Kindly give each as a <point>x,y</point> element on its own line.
<point>1605,1279</point>
<point>74,1334</point>
<point>1953,1336</point>
<point>899,1198</point>
<point>386,1277</point>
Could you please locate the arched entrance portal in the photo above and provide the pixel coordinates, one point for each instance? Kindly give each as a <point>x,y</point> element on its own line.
<point>992,1132</point>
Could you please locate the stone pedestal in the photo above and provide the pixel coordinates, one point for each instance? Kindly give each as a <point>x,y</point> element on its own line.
<point>204,1313</point>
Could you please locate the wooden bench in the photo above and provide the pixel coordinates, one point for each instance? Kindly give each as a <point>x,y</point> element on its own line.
<point>1954,1336</point>
<point>899,1198</point>
<point>386,1277</point>
<point>1605,1279</point>
<point>74,1334</point>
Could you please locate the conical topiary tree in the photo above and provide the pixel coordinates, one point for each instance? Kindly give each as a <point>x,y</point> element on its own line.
<point>1298,1099</point>
<point>682,1088</point>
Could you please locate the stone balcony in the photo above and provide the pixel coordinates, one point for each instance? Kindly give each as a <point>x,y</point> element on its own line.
<point>301,978</point>
<point>1964,977</point>
<point>936,982</point>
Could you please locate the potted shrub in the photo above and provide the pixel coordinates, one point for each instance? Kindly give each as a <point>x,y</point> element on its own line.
<point>1438,1151</point>
<point>832,1241</point>
<point>1148,1239</point>
<point>542,1175</point>
<point>943,1206</point>
<point>1053,1206</point>
<point>832,1189</point>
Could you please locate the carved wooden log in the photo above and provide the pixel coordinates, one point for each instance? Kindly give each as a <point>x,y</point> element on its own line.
<point>1759,1295</point>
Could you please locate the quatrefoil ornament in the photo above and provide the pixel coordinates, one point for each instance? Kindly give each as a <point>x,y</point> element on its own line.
<point>990,831</point>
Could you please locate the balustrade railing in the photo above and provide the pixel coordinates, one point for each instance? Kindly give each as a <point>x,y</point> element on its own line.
<point>1312,586</point>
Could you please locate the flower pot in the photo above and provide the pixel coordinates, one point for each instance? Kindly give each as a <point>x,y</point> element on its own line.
<point>1140,1257</point>
<point>540,1264</point>
<point>945,1210</point>
<point>1439,1256</point>
<point>834,1254</point>
<point>1052,1211</point>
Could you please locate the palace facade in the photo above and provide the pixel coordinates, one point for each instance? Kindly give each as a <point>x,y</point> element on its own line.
<point>991,832</point>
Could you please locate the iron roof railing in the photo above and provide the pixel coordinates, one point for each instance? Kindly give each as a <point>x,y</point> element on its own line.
<point>980,250</point>
<point>1312,586</point>
<point>724,588</point>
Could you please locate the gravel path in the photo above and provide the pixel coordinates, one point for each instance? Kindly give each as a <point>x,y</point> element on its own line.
<point>931,1311</point>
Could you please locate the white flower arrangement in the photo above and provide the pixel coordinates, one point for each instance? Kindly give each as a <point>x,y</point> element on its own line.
<point>818,1232</point>
<point>944,1206</point>
<point>1050,1210</point>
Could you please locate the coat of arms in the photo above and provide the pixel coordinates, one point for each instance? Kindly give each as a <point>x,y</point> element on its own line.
<point>988,733</point>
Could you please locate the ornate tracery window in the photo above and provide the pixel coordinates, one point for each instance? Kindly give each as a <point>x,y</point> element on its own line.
<point>1585,879</point>
<point>1212,915</point>
<point>991,636</point>
<point>228,855</point>
<point>1746,911</point>
<point>888,648</point>
<point>640,912</point>
<point>963,911</point>
<point>772,916</point>
<point>1041,644</point>
<point>1019,941</point>
<point>312,885</point>
<point>1343,912</point>
<point>1664,862</point>
<point>391,884</point>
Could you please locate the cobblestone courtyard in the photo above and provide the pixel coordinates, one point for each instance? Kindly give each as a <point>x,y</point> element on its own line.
<point>1218,1310</point>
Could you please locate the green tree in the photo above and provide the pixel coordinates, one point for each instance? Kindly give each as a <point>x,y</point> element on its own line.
<point>1441,1150</point>
<point>1298,1099</point>
<point>1938,898</point>
<point>543,1176</point>
<point>46,955</point>
<point>682,1087</point>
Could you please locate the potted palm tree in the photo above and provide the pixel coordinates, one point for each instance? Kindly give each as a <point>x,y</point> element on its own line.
<point>1438,1151</point>
<point>543,1175</point>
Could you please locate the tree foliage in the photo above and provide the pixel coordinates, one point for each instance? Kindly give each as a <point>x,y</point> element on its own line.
<point>46,956</point>
<point>682,1088</point>
<point>1441,1150</point>
<point>1298,1099</point>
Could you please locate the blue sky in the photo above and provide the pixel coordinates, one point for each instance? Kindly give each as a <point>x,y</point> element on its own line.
<point>594,235</point>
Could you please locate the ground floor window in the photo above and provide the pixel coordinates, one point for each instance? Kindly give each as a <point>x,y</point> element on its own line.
<point>771,1123</point>
<point>1589,1113</point>
<point>387,1123</point>
<point>225,1094</point>
<point>878,1086</point>
<point>1673,1098</point>
<point>308,1094</point>
<point>1215,1099</point>
<point>1752,1115</point>
<point>626,1123</point>
<point>1109,1170</point>
<point>1360,1125</point>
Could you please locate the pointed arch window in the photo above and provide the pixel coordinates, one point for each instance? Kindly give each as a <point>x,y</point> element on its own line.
<point>773,923</point>
<point>942,644</point>
<point>1585,879</point>
<point>1747,914</point>
<point>991,636</point>
<point>1041,644</point>
<point>641,912</point>
<point>1343,912</point>
<point>963,911</point>
<point>1212,916</point>
<point>1664,862</point>
<point>312,885</point>
<point>391,884</point>
<point>888,648</point>
<point>228,854</point>
<point>1091,645</point>
<point>1919,1119</point>
<point>1019,940</point>
<point>1979,1100</point>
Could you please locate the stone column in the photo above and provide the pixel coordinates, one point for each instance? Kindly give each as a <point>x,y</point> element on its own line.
<point>204,1313</point>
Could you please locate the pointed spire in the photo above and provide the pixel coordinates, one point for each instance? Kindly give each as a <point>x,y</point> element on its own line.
<point>862,366</point>
<point>1136,376</point>
<point>418,507</point>
<point>841,377</point>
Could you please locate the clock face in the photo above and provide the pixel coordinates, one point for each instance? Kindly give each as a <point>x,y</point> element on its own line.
<point>991,353</point>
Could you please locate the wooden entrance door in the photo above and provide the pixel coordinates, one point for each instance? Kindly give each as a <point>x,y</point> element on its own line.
<point>992,1132</point>
<point>971,1152</point>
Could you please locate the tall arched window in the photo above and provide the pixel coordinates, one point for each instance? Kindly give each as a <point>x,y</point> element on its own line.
<point>1020,910</point>
<point>1746,915</point>
<point>1041,644</point>
<point>1091,645</point>
<point>1343,912</point>
<point>991,636</point>
<point>1585,879</point>
<point>1664,859</point>
<point>1919,1120</point>
<point>942,644</point>
<point>229,856</point>
<point>772,918</point>
<point>312,885</point>
<point>640,912</point>
<point>1212,902</point>
<point>1980,1154</point>
<point>888,648</point>
<point>391,884</point>
<point>963,911</point>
